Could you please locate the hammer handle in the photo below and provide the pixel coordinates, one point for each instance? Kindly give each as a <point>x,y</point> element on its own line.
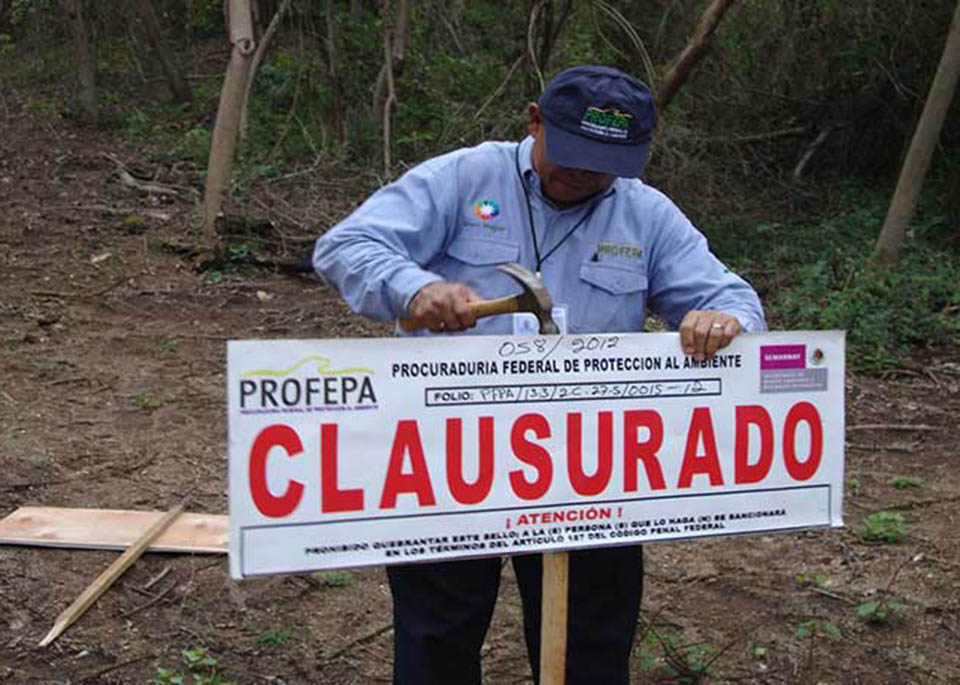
<point>481,308</point>
<point>501,305</point>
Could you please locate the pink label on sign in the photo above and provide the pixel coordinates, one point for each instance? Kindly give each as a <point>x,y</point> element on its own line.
<point>783,356</point>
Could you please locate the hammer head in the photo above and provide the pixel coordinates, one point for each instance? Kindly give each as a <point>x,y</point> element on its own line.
<point>534,298</point>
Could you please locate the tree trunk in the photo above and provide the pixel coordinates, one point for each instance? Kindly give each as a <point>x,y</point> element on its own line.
<point>904,202</point>
<point>389,51</point>
<point>86,64</point>
<point>224,143</point>
<point>255,64</point>
<point>333,75</point>
<point>399,38</point>
<point>179,87</point>
<point>696,49</point>
<point>6,6</point>
<point>550,28</point>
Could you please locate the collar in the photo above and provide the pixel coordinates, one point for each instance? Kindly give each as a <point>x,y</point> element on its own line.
<point>526,164</point>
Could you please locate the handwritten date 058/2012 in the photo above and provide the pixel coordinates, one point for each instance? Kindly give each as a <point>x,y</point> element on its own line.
<point>546,346</point>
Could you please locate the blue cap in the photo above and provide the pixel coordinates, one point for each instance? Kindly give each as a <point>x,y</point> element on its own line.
<point>600,119</point>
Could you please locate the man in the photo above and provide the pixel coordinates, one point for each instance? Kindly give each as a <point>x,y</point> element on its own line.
<point>565,202</point>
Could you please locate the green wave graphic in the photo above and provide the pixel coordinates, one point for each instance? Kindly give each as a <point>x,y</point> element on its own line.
<point>323,369</point>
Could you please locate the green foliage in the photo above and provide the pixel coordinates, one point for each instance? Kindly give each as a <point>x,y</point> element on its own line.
<point>857,71</point>
<point>878,611</point>
<point>882,527</point>
<point>136,124</point>
<point>194,145</point>
<point>274,637</point>
<point>144,401</point>
<point>165,676</point>
<point>204,18</point>
<point>23,11</point>
<point>818,278</point>
<point>335,578</point>
<point>42,107</point>
<point>678,661</point>
<point>813,629</point>
<point>213,276</point>
<point>885,315</point>
<point>236,254</point>
<point>132,222</point>
<point>812,579</point>
<point>7,46</point>
<point>242,250</point>
<point>775,66</point>
<point>903,482</point>
<point>201,670</point>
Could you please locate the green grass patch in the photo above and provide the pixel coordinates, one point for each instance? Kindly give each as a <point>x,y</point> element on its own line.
<point>904,482</point>
<point>885,527</point>
<point>335,578</point>
<point>878,611</point>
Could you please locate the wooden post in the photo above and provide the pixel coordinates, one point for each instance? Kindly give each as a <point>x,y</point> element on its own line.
<point>553,618</point>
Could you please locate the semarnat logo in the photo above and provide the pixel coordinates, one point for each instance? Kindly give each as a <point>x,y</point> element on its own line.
<point>312,384</point>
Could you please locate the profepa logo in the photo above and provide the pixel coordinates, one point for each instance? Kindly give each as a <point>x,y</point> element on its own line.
<point>486,210</point>
<point>312,384</point>
<point>611,123</point>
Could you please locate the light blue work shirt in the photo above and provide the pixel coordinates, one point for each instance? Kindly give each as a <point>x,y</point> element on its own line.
<point>458,215</point>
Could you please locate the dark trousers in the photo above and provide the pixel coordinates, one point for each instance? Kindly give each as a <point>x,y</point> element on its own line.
<point>442,610</point>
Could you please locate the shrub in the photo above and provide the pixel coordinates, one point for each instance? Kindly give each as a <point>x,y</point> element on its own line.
<point>882,527</point>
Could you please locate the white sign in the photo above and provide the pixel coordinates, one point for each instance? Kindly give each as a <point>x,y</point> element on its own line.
<point>378,451</point>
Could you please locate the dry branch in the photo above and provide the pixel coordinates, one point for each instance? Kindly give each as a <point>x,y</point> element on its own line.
<point>812,148</point>
<point>893,427</point>
<point>391,96</point>
<point>696,49</point>
<point>495,94</point>
<point>364,639</point>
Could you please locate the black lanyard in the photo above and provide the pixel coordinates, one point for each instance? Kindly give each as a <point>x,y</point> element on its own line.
<point>533,233</point>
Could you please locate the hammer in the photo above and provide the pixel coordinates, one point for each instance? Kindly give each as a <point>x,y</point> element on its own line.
<point>533,298</point>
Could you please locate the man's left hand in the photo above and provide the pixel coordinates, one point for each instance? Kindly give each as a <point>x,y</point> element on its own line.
<point>703,332</point>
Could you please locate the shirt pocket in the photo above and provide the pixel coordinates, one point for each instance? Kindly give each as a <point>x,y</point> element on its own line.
<point>483,251</point>
<point>472,260</point>
<point>613,299</point>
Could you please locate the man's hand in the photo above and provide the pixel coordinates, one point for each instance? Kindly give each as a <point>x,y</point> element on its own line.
<point>443,306</point>
<point>703,332</point>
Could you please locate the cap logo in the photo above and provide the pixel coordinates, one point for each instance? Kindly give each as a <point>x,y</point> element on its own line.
<point>486,210</point>
<point>609,123</point>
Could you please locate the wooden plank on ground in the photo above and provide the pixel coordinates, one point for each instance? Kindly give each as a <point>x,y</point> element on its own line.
<point>112,529</point>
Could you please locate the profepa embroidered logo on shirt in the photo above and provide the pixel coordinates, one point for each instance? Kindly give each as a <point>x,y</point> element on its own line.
<point>609,123</point>
<point>486,210</point>
<point>606,249</point>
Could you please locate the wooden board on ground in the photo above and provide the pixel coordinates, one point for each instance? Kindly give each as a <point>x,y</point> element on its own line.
<point>112,529</point>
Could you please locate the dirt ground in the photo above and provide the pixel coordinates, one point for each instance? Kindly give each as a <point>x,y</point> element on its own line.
<point>112,396</point>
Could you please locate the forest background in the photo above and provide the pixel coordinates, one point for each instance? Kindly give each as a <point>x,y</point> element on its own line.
<point>783,144</point>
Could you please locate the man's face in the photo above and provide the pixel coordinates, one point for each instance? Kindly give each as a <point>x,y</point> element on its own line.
<point>564,186</point>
